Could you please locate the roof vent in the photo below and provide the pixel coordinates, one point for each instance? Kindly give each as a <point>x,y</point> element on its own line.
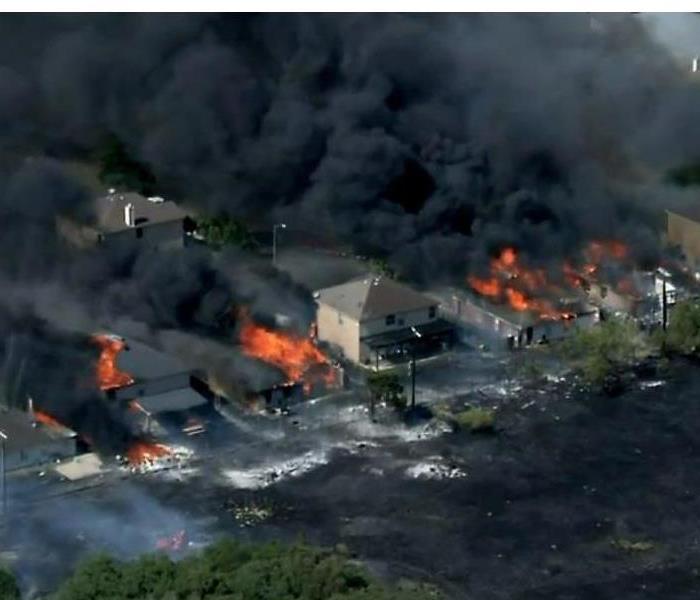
<point>129,215</point>
<point>156,199</point>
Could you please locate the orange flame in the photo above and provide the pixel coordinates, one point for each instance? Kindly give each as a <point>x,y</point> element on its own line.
<point>295,355</point>
<point>46,419</point>
<point>522,287</point>
<point>141,452</point>
<point>108,375</point>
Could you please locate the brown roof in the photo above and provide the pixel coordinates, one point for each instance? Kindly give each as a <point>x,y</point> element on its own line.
<point>373,297</point>
<point>110,211</point>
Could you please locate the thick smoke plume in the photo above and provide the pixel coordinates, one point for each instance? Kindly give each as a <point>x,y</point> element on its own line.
<point>399,134</point>
<point>431,140</point>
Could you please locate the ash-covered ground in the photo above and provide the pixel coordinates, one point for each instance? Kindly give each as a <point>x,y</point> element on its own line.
<point>575,496</point>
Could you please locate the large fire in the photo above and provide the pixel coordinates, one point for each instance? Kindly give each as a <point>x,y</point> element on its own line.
<point>297,356</point>
<point>141,452</point>
<point>530,289</point>
<point>108,374</point>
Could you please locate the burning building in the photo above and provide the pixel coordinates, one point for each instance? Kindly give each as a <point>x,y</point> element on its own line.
<point>296,357</point>
<point>525,303</point>
<point>371,318</point>
<point>515,328</point>
<point>146,380</point>
<point>33,438</point>
<point>130,219</point>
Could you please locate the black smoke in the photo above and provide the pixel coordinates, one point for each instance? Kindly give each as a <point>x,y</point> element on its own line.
<point>432,140</point>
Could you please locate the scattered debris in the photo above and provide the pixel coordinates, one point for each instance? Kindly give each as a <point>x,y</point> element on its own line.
<point>435,469</point>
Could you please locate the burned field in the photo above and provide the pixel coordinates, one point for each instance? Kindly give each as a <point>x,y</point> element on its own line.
<point>575,496</point>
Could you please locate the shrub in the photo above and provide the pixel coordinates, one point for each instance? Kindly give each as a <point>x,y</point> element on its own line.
<point>476,419</point>
<point>8,586</point>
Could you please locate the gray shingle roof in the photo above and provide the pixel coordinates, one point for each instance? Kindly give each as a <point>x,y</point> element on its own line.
<point>373,297</point>
<point>175,400</point>
<point>110,211</point>
<point>143,362</point>
<point>21,434</point>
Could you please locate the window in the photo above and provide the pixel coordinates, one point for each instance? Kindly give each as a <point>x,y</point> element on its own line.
<point>139,232</point>
<point>390,319</point>
<point>431,312</point>
<point>400,322</point>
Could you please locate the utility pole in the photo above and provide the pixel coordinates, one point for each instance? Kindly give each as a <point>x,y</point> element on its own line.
<point>3,478</point>
<point>413,378</point>
<point>275,227</point>
<point>419,335</point>
<point>664,305</point>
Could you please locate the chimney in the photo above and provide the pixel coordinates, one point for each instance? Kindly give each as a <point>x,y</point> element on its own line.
<point>129,215</point>
<point>30,410</point>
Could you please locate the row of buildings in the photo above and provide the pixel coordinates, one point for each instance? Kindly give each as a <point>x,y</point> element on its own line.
<point>369,320</point>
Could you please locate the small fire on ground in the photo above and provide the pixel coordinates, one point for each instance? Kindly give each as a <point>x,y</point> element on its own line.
<point>108,374</point>
<point>531,289</point>
<point>297,356</point>
<point>142,452</point>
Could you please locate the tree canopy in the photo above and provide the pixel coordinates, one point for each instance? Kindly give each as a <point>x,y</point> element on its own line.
<point>386,387</point>
<point>119,170</point>
<point>231,570</point>
<point>8,586</point>
<point>602,350</point>
<point>223,230</point>
<point>685,175</point>
<point>683,332</point>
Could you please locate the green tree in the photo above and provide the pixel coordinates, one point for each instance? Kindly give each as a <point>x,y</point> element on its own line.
<point>380,266</point>
<point>685,175</point>
<point>601,351</point>
<point>231,570</point>
<point>119,170</point>
<point>683,332</point>
<point>223,230</point>
<point>386,387</point>
<point>9,590</point>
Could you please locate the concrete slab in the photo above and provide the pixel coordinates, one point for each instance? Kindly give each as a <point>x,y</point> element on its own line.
<point>80,467</point>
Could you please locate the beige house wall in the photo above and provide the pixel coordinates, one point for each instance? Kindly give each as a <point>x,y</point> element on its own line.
<point>336,328</point>
<point>685,233</point>
<point>402,320</point>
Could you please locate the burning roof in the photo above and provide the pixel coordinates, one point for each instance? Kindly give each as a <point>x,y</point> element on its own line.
<point>109,376</point>
<point>297,356</point>
<point>545,294</point>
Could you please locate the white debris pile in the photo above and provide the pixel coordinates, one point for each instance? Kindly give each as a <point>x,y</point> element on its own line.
<point>264,476</point>
<point>435,468</point>
<point>651,384</point>
<point>251,513</point>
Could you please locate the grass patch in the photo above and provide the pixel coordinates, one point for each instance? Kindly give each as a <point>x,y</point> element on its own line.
<point>632,546</point>
<point>476,419</point>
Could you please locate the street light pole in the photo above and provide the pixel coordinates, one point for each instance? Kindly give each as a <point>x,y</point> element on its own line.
<point>275,227</point>
<point>3,439</point>
<point>419,335</point>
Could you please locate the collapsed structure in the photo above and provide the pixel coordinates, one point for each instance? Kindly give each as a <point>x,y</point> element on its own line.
<point>31,438</point>
<point>149,382</point>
